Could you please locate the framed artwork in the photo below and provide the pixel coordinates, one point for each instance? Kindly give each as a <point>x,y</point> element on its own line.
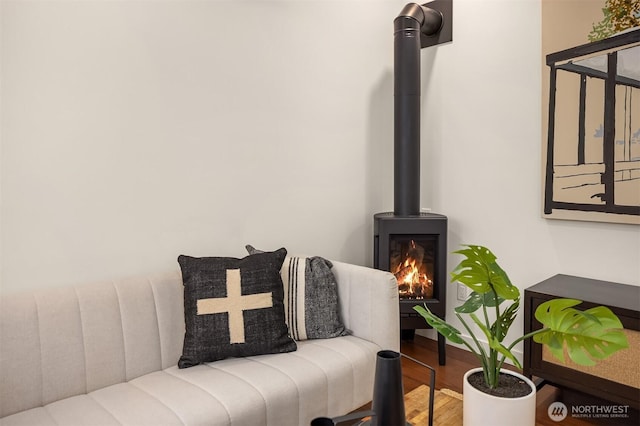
<point>591,110</point>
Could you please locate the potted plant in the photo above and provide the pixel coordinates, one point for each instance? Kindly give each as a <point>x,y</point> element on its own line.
<point>492,306</point>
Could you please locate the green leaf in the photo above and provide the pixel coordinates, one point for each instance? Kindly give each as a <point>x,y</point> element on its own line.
<point>475,301</point>
<point>480,272</point>
<point>604,28</point>
<point>505,320</point>
<point>472,304</point>
<point>592,334</point>
<point>472,270</point>
<point>502,284</point>
<point>491,301</point>
<point>472,276</point>
<point>439,325</point>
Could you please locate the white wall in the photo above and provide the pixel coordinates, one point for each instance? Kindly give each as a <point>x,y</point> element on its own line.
<point>133,132</point>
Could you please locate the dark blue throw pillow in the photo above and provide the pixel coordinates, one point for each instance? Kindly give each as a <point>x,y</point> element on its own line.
<point>233,307</point>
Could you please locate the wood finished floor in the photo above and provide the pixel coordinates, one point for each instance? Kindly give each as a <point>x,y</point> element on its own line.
<point>458,362</point>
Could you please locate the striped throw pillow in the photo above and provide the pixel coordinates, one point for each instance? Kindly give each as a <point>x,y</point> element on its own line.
<point>310,298</point>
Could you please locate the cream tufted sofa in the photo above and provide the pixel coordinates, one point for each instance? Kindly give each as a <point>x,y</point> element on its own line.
<point>106,354</point>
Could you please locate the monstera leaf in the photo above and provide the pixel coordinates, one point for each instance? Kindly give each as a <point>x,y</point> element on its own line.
<point>501,326</point>
<point>476,300</point>
<point>592,334</point>
<point>472,304</point>
<point>448,331</point>
<point>480,272</point>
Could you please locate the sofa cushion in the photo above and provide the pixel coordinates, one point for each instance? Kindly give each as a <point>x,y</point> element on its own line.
<point>310,297</point>
<point>323,378</point>
<point>233,307</point>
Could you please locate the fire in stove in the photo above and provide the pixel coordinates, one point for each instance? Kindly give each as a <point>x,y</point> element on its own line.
<point>412,273</point>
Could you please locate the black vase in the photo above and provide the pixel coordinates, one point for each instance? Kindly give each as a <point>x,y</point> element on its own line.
<point>322,421</point>
<point>388,392</point>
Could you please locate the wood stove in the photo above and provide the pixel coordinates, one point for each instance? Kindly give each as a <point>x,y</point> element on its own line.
<point>407,242</point>
<point>414,249</point>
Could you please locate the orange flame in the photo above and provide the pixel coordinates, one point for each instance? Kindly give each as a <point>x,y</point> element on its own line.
<point>413,281</point>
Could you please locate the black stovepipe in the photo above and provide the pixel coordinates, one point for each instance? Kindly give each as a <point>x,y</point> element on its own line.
<point>413,20</point>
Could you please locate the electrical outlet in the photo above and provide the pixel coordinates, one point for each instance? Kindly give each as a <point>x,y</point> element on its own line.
<point>462,292</point>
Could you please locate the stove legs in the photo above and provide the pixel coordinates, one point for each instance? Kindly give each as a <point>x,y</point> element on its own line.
<point>442,358</point>
<point>410,334</point>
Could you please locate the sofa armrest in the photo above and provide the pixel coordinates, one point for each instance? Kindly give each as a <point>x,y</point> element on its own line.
<point>369,304</point>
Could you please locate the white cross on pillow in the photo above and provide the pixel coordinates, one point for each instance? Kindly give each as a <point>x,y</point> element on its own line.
<point>235,304</point>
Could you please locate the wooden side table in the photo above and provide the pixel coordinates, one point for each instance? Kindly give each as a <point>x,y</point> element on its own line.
<point>614,379</point>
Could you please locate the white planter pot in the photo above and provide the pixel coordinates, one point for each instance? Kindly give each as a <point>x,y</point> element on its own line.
<point>481,409</point>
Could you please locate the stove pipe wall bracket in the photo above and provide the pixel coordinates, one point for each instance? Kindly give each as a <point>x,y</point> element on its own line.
<point>417,26</point>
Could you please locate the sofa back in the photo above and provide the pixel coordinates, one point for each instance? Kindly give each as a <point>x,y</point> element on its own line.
<point>69,341</point>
